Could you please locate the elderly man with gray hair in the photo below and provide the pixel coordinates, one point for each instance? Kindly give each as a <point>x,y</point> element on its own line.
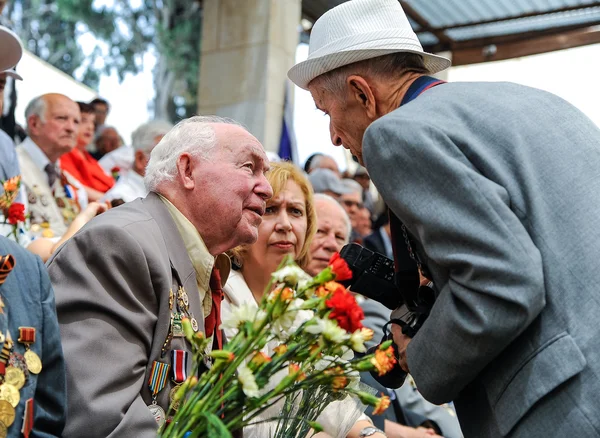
<point>124,282</point>
<point>493,190</point>
<point>131,185</point>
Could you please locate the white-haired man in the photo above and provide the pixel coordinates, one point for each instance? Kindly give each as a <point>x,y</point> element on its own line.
<point>122,278</point>
<point>493,188</point>
<point>54,197</point>
<point>333,232</point>
<point>131,185</point>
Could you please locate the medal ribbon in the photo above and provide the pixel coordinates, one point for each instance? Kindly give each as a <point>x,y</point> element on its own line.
<point>27,419</point>
<point>27,335</point>
<point>158,376</point>
<point>7,264</point>
<point>179,359</point>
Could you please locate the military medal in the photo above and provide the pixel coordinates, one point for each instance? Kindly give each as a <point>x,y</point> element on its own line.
<point>27,337</point>
<point>177,327</point>
<point>18,361</point>
<point>9,393</point>
<point>7,413</point>
<point>15,377</point>
<point>158,377</point>
<point>3,430</point>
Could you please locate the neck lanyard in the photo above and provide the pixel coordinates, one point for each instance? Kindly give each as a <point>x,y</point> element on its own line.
<point>420,85</point>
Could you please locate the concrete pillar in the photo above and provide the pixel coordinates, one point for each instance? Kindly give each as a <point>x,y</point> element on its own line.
<point>247,48</point>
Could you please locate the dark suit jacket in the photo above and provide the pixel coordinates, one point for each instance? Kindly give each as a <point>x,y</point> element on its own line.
<point>500,186</point>
<point>29,301</point>
<point>112,282</point>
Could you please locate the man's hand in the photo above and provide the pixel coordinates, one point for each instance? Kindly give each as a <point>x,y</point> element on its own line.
<point>401,341</point>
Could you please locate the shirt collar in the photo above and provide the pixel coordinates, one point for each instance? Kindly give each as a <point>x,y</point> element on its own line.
<point>202,260</point>
<point>38,156</point>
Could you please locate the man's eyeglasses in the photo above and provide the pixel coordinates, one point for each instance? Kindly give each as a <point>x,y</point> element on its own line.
<point>349,203</point>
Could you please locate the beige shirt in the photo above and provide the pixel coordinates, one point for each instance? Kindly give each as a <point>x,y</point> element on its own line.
<point>202,260</point>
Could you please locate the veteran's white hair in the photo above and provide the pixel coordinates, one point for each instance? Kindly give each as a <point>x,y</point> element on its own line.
<point>326,198</point>
<point>194,136</point>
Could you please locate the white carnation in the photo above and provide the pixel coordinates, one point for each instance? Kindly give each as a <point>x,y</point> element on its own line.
<point>248,381</point>
<point>290,275</point>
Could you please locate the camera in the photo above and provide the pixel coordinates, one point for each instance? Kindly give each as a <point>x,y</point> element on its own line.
<point>376,277</point>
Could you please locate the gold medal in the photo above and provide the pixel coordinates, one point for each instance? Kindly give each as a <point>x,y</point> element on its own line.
<point>3,430</point>
<point>14,377</point>
<point>34,364</point>
<point>10,394</point>
<point>7,414</point>
<point>174,404</point>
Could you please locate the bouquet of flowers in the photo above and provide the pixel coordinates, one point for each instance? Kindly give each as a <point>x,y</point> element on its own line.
<point>315,324</point>
<point>13,212</point>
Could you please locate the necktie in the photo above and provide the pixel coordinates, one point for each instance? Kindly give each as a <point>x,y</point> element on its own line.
<point>7,263</point>
<point>52,173</point>
<point>213,320</point>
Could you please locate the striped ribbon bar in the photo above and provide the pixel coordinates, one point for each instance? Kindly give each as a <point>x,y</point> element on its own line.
<point>27,335</point>
<point>158,376</point>
<point>179,359</point>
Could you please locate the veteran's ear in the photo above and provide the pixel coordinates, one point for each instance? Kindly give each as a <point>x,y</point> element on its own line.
<point>185,171</point>
<point>363,94</point>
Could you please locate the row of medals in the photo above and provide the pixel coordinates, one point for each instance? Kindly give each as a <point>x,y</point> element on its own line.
<point>16,374</point>
<point>181,301</point>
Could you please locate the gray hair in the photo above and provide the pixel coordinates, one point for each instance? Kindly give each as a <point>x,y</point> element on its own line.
<point>194,136</point>
<point>386,66</point>
<point>352,185</point>
<point>317,160</point>
<point>37,107</point>
<point>144,137</point>
<point>326,198</point>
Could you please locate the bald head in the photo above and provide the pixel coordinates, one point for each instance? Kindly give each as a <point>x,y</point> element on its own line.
<point>52,123</point>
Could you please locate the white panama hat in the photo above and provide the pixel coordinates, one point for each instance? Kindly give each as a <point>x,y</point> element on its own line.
<point>10,49</point>
<point>357,30</point>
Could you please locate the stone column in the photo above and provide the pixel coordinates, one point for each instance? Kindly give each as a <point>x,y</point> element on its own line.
<point>247,48</point>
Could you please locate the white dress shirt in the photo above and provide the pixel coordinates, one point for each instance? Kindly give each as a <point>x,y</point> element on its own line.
<point>129,187</point>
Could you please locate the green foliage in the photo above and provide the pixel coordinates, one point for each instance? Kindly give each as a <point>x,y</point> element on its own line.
<point>51,29</point>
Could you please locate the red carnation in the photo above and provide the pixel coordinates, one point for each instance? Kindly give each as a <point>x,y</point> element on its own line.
<point>340,268</point>
<point>16,213</point>
<point>345,310</point>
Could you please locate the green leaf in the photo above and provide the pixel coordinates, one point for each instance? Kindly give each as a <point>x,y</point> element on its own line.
<point>214,426</point>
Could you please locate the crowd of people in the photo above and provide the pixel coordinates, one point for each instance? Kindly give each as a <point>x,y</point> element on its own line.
<point>192,219</point>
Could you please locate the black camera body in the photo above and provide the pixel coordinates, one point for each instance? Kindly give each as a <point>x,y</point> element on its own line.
<point>374,276</point>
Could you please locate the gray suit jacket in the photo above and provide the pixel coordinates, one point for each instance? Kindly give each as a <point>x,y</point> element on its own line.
<point>112,282</point>
<point>500,186</point>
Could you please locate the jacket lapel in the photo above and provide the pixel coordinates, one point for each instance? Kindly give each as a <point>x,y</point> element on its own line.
<point>178,256</point>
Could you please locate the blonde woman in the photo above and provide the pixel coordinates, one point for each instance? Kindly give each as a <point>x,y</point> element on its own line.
<point>288,226</point>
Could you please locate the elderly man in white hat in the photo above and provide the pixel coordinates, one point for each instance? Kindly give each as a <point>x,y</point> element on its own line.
<point>494,191</point>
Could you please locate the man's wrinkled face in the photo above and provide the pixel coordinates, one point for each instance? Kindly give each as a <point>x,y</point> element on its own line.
<point>352,203</point>
<point>232,188</point>
<point>57,133</point>
<point>331,235</point>
<point>347,120</point>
